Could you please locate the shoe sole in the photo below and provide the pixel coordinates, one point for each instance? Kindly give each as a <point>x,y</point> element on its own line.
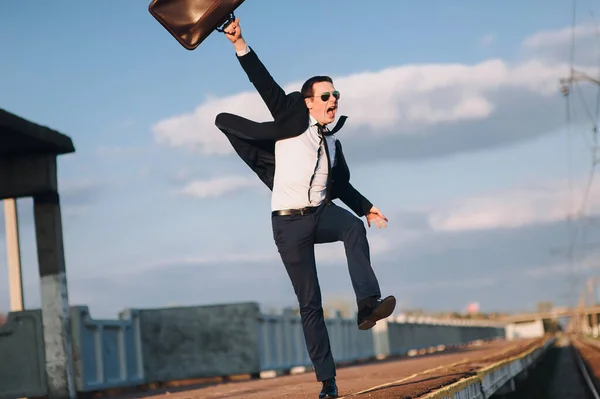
<point>383,311</point>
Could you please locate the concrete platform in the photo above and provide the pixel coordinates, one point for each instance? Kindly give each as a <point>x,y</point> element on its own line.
<point>403,378</point>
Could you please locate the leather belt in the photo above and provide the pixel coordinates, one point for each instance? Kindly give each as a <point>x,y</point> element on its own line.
<point>295,212</point>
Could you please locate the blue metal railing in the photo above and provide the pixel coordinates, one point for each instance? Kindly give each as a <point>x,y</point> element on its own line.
<point>110,353</point>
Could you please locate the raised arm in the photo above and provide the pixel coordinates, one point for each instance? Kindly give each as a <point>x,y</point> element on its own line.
<point>271,93</point>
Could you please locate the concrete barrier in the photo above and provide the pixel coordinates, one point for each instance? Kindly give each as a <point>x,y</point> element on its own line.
<point>23,364</point>
<point>406,336</point>
<point>199,341</point>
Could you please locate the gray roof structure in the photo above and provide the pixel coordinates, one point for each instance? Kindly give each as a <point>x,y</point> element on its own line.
<point>20,137</point>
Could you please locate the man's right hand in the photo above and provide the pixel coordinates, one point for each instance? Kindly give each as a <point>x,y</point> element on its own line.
<point>234,33</point>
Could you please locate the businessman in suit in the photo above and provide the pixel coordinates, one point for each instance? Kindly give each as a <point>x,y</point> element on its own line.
<point>302,163</point>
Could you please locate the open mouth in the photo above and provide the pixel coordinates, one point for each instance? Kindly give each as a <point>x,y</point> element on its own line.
<point>331,111</point>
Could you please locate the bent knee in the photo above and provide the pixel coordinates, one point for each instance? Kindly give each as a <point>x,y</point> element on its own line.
<point>357,227</point>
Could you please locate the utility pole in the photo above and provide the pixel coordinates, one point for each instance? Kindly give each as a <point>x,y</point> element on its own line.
<point>575,77</point>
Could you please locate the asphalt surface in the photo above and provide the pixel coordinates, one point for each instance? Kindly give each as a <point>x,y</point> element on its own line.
<point>402,378</point>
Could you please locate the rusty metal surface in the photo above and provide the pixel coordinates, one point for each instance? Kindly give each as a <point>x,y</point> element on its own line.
<point>402,378</point>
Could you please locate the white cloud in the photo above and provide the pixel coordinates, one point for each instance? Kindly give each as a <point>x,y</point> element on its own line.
<point>555,46</point>
<point>197,128</point>
<point>404,99</point>
<point>218,186</point>
<point>518,207</point>
<point>561,37</point>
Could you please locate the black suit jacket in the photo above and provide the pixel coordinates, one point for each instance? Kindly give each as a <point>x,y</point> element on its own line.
<point>255,142</point>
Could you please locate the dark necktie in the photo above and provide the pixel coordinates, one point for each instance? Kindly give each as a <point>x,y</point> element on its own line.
<point>323,132</point>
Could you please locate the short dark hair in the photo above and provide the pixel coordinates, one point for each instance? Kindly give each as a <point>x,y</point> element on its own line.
<point>307,87</point>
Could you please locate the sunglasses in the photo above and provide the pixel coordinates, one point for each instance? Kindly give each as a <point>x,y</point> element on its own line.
<point>325,96</point>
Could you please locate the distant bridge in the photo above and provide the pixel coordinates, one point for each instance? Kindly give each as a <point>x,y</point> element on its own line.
<point>554,313</point>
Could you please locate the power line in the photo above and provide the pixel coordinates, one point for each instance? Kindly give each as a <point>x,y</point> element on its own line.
<point>573,21</point>
<point>570,254</point>
<point>594,144</point>
<point>574,79</point>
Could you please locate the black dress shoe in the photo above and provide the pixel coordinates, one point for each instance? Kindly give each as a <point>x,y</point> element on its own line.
<point>371,313</point>
<point>329,389</point>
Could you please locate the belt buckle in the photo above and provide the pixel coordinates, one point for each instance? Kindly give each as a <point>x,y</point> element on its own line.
<point>304,211</point>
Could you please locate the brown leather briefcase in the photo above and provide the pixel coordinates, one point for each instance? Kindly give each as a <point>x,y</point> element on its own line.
<point>192,21</point>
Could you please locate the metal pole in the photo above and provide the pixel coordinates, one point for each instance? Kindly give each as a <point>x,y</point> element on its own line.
<point>579,76</point>
<point>13,252</point>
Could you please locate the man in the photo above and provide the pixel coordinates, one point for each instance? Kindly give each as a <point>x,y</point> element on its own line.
<point>302,162</point>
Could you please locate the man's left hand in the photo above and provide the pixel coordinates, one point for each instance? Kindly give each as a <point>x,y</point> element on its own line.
<point>375,216</point>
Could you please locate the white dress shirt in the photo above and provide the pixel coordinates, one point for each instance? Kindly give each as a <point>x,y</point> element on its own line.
<point>296,161</point>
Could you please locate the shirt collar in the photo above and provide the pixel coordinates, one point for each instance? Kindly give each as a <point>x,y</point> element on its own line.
<point>313,121</point>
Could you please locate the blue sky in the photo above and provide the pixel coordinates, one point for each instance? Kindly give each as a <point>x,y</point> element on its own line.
<point>456,132</point>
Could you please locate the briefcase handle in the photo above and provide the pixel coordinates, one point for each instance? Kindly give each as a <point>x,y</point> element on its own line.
<point>226,22</point>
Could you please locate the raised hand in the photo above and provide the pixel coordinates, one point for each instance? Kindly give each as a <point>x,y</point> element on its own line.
<point>376,217</point>
<point>234,31</point>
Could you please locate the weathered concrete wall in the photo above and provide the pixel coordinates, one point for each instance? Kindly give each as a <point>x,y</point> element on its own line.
<point>22,364</point>
<point>199,341</point>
